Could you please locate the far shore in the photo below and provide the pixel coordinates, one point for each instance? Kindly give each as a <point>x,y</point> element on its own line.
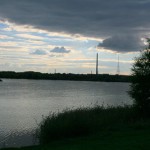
<point>64,76</point>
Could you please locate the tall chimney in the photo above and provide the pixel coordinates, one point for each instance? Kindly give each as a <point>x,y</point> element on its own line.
<point>97,63</point>
<point>118,66</point>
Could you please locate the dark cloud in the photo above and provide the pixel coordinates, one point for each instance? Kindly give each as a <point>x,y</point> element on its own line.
<point>122,43</point>
<point>39,52</point>
<point>60,50</point>
<point>94,18</point>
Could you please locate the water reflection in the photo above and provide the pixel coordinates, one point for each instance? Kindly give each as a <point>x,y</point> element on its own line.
<point>24,102</point>
<point>18,139</point>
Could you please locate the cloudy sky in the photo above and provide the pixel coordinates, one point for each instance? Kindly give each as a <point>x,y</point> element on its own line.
<point>44,35</point>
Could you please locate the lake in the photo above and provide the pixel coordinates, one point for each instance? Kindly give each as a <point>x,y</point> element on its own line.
<point>23,103</point>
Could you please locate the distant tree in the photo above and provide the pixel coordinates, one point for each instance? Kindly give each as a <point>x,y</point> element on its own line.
<point>140,82</point>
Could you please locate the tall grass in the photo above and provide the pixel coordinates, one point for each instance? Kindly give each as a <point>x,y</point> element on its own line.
<point>85,121</point>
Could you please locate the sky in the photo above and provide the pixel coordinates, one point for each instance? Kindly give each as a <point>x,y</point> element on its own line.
<point>44,35</point>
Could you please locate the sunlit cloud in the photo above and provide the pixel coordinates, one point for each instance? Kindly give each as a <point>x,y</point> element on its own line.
<point>27,29</point>
<point>29,36</point>
<point>8,44</point>
<point>4,37</point>
<point>47,42</point>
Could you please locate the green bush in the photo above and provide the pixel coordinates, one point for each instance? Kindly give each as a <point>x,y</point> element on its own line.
<point>140,87</point>
<point>84,121</point>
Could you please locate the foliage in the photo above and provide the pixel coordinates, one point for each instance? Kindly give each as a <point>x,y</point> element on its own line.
<point>121,140</point>
<point>140,87</point>
<point>64,76</point>
<point>84,122</point>
<point>113,128</point>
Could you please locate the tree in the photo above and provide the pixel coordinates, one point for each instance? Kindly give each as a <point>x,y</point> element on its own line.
<point>140,83</point>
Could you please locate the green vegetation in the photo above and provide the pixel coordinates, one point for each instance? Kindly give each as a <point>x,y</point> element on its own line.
<point>122,140</point>
<point>93,129</point>
<point>140,87</point>
<point>85,121</point>
<point>64,76</point>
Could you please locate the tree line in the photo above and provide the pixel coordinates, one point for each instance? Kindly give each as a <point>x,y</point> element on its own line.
<point>64,76</point>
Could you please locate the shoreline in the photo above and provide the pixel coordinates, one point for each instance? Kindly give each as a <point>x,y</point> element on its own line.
<point>64,76</point>
<point>129,131</point>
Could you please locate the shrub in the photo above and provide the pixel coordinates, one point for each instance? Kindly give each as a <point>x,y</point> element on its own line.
<point>84,121</point>
<point>140,86</point>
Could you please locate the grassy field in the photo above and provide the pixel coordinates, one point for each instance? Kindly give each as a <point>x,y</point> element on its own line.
<point>93,129</point>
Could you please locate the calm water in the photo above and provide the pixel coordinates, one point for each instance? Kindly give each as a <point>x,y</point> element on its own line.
<point>23,103</point>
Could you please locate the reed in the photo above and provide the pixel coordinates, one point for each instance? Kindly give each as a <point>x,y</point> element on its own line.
<point>86,121</point>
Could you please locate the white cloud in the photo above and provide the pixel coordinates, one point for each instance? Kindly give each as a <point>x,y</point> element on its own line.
<point>29,36</point>
<point>75,51</point>
<point>8,44</point>
<point>27,29</point>
<point>4,37</point>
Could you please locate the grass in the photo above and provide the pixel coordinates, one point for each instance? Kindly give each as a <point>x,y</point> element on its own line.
<point>88,121</point>
<point>118,140</point>
<point>94,128</point>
